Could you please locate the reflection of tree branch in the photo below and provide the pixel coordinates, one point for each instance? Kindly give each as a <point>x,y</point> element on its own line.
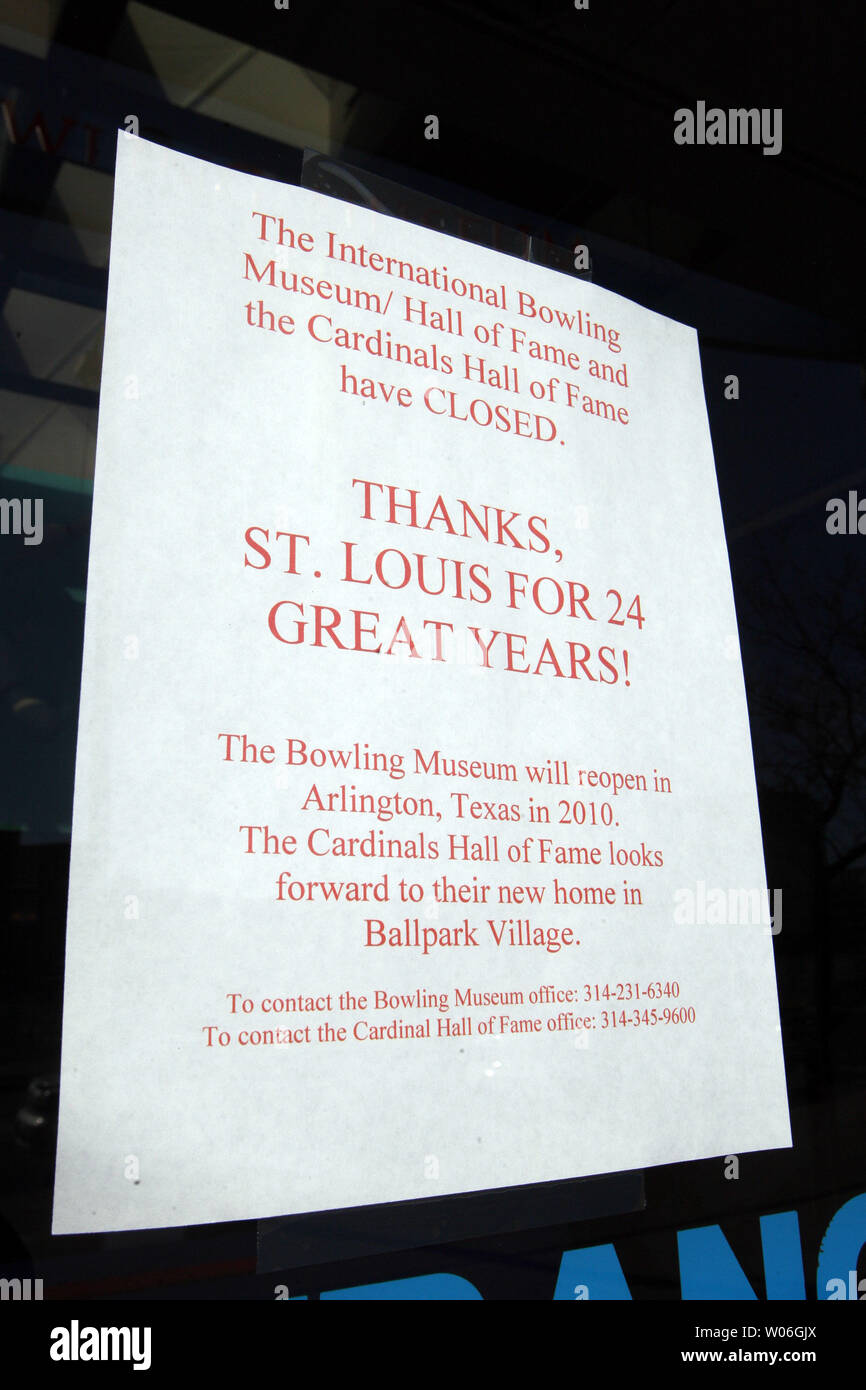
<point>849,857</point>
<point>813,706</point>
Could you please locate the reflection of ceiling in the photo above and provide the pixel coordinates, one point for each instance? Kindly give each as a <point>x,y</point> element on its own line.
<point>52,336</point>
<point>235,82</point>
<point>51,331</point>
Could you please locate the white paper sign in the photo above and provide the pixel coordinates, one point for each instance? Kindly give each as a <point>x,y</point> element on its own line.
<point>416,847</point>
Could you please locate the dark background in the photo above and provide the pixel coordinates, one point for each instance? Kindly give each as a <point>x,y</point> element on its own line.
<point>555,127</point>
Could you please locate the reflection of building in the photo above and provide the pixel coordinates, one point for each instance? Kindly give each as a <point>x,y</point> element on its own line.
<point>848,977</point>
<point>793,850</point>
